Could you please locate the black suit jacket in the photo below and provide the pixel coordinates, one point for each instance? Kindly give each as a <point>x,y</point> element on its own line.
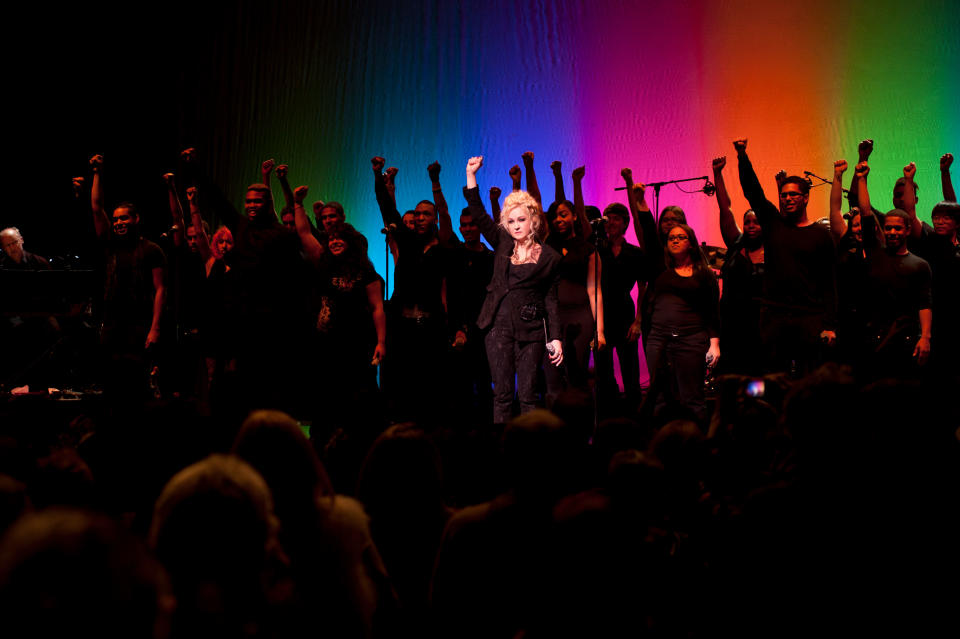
<point>539,288</point>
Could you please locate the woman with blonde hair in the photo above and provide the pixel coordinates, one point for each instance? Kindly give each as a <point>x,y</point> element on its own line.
<point>519,313</point>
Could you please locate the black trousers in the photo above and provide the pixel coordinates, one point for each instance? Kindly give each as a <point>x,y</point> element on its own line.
<point>791,341</point>
<point>677,365</point>
<point>629,357</point>
<point>509,359</point>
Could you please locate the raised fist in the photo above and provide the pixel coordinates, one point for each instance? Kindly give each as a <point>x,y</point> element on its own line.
<point>839,167</point>
<point>378,163</point>
<point>638,190</point>
<point>555,166</point>
<point>719,163</point>
<point>282,172</point>
<point>862,169</point>
<point>527,157</point>
<point>740,144</point>
<point>579,172</point>
<point>780,177</point>
<point>267,166</point>
<point>300,194</point>
<point>168,179</point>
<point>77,185</point>
<point>945,161</point>
<point>191,193</point>
<point>390,175</point>
<point>626,174</point>
<point>910,170</point>
<point>96,163</point>
<point>495,193</point>
<point>474,164</point>
<point>514,173</point>
<point>188,155</point>
<point>865,148</point>
<point>434,172</point>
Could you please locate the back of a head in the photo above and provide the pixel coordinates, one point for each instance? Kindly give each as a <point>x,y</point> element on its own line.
<point>402,470</point>
<point>66,572</point>
<point>214,522</point>
<point>539,450</point>
<point>274,444</point>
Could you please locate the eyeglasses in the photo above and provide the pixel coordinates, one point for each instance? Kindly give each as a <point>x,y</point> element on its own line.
<point>790,194</point>
<point>678,238</point>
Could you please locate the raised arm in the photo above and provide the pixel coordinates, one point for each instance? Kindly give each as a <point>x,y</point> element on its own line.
<point>445,231</point>
<point>627,175</point>
<point>910,199</point>
<point>390,181</point>
<point>864,149</point>
<point>388,208</point>
<point>766,211</point>
<point>203,242</point>
<point>532,187</point>
<point>578,206</point>
<point>312,248</point>
<point>285,185</point>
<point>558,192</point>
<point>495,202</point>
<point>515,173</point>
<point>837,224</point>
<point>728,225</point>
<point>176,209</point>
<point>214,202</point>
<point>868,221</point>
<point>101,223</point>
<point>489,228</point>
<point>949,195</point>
<point>265,169</point>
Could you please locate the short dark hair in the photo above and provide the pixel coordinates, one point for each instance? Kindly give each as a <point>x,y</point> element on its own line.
<point>336,206</point>
<point>129,206</point>
<point>903,180</point>
<point>947,208</point>
<point>907,220</point>
<point>617,209</point>
<point>430,202</point>
<point>799,181</point>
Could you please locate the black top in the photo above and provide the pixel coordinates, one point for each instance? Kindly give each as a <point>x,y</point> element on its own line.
<point>29,262</point>
<point>471,272</point>
<point>574,267</point>
<point>898,285</point>
<point>619,275</point>
<point>342,306</point>
<point>684,305</point>
<point>128,287</point>
<point>799,261</point>
<point>944,260</point>
<point>538,289</point>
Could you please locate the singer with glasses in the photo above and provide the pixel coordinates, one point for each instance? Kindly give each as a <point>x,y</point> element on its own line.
<point>681,309</point>
<point>519,312</point>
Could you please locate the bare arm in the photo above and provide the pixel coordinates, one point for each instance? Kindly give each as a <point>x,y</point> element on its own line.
<point>265,169</point>
<point>311,246</point>
<point>595,292</point>
<point>728,225</point>
<point>101,223</point>
<point>558,192</point>
<point>949,195</point>
<point>203,242</point>
<point>176,209</point>
<point>837,224</point>
<point>375,302</point>
<point>864,149</point>
<point>922,350</point>
<point>910,199</point>
<point>445,232</point>
<point>532,187</point>
<point>578,206</point>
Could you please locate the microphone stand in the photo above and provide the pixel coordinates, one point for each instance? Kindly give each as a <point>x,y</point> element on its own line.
<point>656,192</point>
<point>823,181</point>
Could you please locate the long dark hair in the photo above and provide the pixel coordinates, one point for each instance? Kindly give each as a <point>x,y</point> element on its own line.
<point>354,259</point>
<point>695,252</point>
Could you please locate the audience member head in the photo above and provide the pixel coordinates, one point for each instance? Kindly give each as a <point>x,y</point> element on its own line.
<point>522,217</point>
<point>618,220</point>
<point>469,229</point>
<point>222,242</point>
<point>66,572</point>
<point>259,204</point>
<point>12,243</point>
<point>682,246</point>
<point>794,195</point>
<point>822,419</point>
<point>402,472</point>
<point>63,478</point>
<point>214,530</point>
<point>331,217</point>
<point>563,220</point>
<point>946,219</point>
<point>539,450</point>
<point>13,501</point>
<point>125,221</point>
<point>670,216</point>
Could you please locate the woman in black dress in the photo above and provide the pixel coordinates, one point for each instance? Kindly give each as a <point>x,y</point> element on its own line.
<point>519,313</point>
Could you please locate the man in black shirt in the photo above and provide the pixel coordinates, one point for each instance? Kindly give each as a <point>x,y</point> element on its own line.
<point>799,306</point>
<point>898,302</point>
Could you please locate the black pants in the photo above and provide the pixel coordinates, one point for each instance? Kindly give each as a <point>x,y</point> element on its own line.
<point>629,357</point>
<point>577,332</point>
<point>791,341</point>
<point>510,358</point>
<point>677,365</point>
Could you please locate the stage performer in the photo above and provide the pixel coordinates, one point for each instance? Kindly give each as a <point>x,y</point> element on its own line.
<point>521,302</point>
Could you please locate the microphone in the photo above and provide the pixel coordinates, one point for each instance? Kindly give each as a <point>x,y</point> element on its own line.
<point>389,229</point>
<point>170,231</point>
<point>600,221</point>
<point>709,188</point>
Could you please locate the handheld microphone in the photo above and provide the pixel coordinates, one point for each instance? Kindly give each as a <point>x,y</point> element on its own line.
<point>170,231</point>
